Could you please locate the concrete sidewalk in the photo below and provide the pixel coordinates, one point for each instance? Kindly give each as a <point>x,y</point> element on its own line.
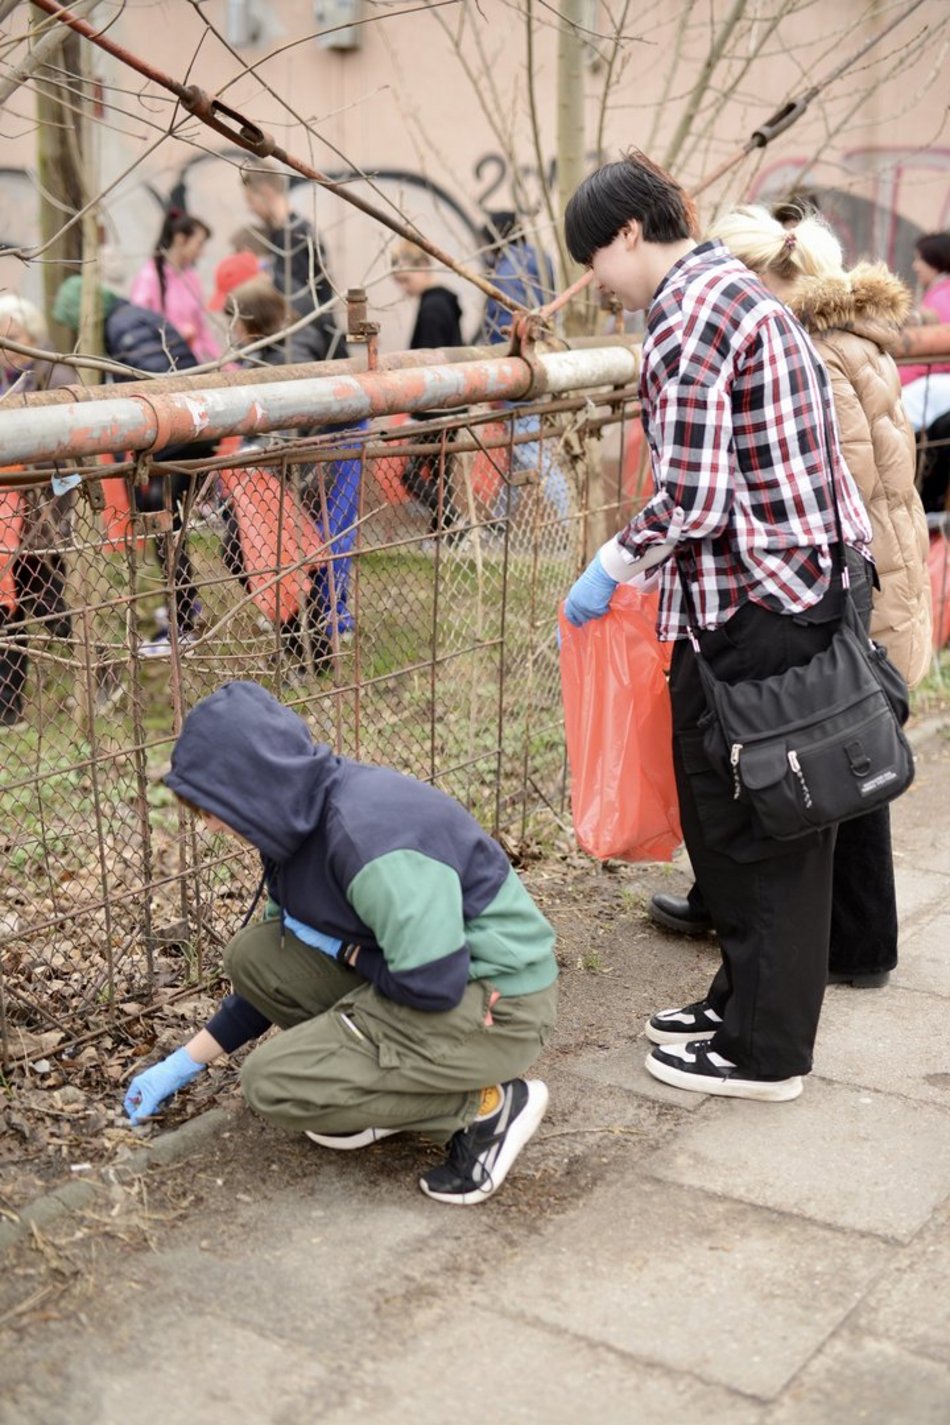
<point>654,1252</point>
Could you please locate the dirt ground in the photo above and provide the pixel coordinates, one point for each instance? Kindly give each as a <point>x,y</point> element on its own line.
<point>64,1119</point>
<point>617,968</point>
<point>613,963</point>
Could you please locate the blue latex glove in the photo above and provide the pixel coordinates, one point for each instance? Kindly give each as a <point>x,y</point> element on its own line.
<point>151,1088</point>
<point>590,595</point>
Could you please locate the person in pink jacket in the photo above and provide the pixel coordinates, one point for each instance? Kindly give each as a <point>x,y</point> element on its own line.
<point>169,284</point>
<point>932,268</point>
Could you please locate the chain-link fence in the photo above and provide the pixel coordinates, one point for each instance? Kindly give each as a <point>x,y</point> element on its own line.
<point>396,584</point>
<point>397,587</point>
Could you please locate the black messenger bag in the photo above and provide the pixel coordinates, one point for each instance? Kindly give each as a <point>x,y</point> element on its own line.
<point>815,745</point>
<point>819,743</point>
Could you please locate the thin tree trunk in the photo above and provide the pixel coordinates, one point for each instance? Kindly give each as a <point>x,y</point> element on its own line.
<point>68,172</point>
<point>59,180</point>
<point>570,129</point>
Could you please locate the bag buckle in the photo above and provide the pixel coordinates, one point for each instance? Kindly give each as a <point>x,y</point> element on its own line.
<point>858,759</point>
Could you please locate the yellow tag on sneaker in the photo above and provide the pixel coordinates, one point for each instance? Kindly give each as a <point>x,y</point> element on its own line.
<point>490,1102</point>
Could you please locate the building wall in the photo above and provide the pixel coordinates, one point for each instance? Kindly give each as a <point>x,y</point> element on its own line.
<point>443,126</point>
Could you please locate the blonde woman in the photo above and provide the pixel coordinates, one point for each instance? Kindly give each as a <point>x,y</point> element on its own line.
<point>851,316</point>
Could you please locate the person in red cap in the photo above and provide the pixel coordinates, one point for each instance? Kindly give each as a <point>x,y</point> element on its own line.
<point>231,272</point>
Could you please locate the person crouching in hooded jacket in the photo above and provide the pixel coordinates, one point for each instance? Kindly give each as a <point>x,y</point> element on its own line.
<point>410,971</point>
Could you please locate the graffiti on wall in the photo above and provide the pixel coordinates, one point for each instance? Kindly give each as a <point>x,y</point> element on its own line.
<point>875,207</point>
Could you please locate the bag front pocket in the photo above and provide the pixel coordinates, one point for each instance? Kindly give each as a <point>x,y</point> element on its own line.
<point>802,783</point>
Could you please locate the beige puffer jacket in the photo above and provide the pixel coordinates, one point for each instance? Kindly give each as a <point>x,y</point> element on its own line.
<point>851,321</point>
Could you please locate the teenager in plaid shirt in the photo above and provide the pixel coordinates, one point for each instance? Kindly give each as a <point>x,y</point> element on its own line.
<point>737,410</point>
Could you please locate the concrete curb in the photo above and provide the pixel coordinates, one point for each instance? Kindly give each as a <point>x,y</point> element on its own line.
<point>170,1147</point>
<point>80,1193</point>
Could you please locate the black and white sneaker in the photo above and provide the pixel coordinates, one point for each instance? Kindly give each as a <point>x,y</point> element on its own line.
<point>683,1026</point>
<point>481,1155</point>
<point>700,1069</point>
<point>344,1142</point>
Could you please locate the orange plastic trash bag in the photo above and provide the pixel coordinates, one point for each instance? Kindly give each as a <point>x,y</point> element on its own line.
<point>618,726</point>
<point>12,513</point>
<point>938,561</point>
<point>280,544</point>
<point>490,466</point>
<point>388,470</point>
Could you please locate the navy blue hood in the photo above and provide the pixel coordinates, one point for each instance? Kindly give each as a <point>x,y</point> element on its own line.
<point>246,758</point>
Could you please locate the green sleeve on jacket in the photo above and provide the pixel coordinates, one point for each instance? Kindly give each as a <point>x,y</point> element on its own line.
<point>413,905</point>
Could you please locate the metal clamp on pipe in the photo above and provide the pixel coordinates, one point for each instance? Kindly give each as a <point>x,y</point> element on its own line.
<point>229,122</point>
<point>526,329</point>
<point>359,329</point>
<point>781,120</point>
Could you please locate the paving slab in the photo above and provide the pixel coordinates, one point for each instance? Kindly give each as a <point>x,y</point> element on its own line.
<point>924,961</point>
<point>859,1379</point>
<point>299,1263</point>
<point>853,1158</point>
<point>909,1305</point>
<point>200,1365</point>
<point>920,894</point>
<point>623,1068</point>
<point>506,1369</point>
<point>892,1039</point>
<point>211,1369</point>
<point>687,1280</point>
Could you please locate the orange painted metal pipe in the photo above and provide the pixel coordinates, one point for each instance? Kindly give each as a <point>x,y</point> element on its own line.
<point>150,420</point>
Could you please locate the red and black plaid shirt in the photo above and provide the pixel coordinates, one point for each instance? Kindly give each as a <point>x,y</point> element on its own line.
<point>738,412</point>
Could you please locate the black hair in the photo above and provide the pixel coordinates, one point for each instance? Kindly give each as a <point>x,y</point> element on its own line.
<point>503,229</point>
<point>176,223</point>
<point>632,188</point>
<point>934,248</point>
<point>501,224</point>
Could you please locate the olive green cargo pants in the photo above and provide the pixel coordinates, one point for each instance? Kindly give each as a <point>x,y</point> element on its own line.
<point>349,1058</point>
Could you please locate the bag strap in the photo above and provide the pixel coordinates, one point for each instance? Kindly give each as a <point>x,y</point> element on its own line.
<point>691,620</point>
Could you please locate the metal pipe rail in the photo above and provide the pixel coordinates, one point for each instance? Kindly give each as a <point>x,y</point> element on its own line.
<point>150,420</point>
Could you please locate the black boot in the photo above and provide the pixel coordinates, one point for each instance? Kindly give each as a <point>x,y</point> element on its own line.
<point>685,914</point>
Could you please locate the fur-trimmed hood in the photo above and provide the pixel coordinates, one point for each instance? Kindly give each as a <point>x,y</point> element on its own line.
<point>869,301</point>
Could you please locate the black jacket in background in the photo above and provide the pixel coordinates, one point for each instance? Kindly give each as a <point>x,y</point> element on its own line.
<point>138,337</point>
<point>438,320</point>
<point>289,261</point>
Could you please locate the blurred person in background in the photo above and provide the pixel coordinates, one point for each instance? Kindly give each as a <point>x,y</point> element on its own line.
<point>438,324</point>
<point>168,282</point>
<point>932,270</point>
<point>34,523</point>
<point>294,253</point>
<point>150,343</point>
<point>851,317</point>
<point>523,273</point>
<point>256,310</point>
<point>927,387</point>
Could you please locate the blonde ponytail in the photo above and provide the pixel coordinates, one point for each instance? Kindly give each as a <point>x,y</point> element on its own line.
<point>808,249</point>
